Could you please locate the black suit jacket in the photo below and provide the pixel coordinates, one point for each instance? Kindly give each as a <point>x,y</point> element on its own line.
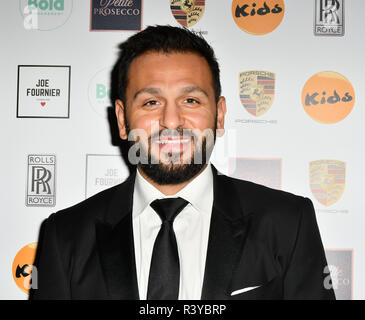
<point>259,237</point>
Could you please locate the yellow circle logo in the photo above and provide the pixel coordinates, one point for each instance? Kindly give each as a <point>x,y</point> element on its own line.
<point>328,97</point>
<point>23,267</point>
<point>258,16</point>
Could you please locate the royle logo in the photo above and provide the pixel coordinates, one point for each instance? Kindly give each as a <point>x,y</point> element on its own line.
<point>45,15</point>
<point>187,12</point>
<point>257,89</point>
<point>41,191</point>
<point>328,97</point>
<point>327,180</point>
<point>116,15</point>
<point>24,273</point>
<point>258,17</point>
<point>329,18</point>
<point>43,91</point>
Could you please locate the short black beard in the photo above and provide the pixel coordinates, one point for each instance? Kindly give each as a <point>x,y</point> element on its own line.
<point>170,174</point>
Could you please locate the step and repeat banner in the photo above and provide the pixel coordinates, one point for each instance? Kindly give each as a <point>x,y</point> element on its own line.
<point>292,73</point>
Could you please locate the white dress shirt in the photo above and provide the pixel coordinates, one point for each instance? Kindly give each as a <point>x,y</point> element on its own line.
<point>191,228</point>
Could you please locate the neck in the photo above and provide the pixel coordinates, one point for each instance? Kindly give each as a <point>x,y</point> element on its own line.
<point>169,189</point>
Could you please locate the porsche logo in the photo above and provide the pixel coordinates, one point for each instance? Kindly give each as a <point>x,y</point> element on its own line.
<point>187,12</point>
<point>327,180</point>
<point>257,90</point>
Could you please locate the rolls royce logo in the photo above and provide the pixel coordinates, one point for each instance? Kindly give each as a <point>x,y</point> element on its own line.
<point>41,180</point>
<point>329,18</point>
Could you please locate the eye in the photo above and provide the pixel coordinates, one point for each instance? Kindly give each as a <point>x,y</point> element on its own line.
<point>191,101</point>
<point>150,103</point>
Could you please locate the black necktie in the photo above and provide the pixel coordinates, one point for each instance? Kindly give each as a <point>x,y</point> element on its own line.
<point>164,277</point>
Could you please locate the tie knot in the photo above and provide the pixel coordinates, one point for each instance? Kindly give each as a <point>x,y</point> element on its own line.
<point>168,208</point>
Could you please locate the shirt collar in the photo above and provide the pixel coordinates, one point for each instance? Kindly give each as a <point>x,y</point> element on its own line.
<point>198,192</point>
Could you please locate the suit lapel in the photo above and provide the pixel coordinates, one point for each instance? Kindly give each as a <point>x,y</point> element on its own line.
<point>239,252</point>
<point>115,243</point>
<point>228,230</point>
<point>232,260</point>
<point>225,242</point>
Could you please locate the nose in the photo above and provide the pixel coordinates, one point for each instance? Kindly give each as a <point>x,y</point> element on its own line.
<point>171,117</point>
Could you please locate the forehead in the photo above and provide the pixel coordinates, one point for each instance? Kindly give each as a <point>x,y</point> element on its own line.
<point>169,68</point>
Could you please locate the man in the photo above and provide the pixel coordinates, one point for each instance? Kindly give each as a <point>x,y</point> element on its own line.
<point>176,228</point>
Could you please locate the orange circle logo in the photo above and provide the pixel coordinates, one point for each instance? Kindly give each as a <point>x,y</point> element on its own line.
<point>258,16</point>
<point>23,267</point>
<point>328,97</point>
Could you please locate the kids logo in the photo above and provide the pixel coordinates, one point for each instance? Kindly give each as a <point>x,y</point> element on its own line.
<point>187,12</point>
<point>24,273</point>
<point>258,17</point>
<point>327,180</point>
<point>45,15</point>
<point>328,97</point>
<point>257,89</point>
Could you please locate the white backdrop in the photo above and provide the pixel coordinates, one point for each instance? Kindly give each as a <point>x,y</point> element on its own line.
<point>285,133</point>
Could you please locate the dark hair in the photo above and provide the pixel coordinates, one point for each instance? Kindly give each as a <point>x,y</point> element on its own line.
<point>161,39</point>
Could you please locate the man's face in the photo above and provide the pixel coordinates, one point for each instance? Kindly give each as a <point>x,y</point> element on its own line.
<point>171,98</point>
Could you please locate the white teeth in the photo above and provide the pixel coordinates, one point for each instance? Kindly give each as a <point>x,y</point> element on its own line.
<point>172,141</point>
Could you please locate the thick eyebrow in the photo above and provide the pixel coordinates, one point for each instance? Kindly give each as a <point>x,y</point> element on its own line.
<point>147,90</point>
<point>194,89</point>
<point>185,90</point>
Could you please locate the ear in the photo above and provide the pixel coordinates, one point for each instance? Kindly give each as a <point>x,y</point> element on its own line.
<point>119,111</point>
<point>221,112</point>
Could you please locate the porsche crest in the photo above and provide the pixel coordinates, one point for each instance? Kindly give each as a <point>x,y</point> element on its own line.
<point>187,12</point>
<point>327,180</point>
<point>257,90</point>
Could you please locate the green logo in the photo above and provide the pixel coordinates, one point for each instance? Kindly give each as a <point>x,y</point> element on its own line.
<point>102,91</point>
<point>45,15</point>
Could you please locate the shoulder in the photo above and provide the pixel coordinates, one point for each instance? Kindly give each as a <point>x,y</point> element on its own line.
<point>266,203</point>
<point>74,221</point>
<point>254,191</point>
<point>275,214</point>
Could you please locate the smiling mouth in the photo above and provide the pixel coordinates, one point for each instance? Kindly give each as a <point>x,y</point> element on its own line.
<point>172,140</point>
<point>172,144</point>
